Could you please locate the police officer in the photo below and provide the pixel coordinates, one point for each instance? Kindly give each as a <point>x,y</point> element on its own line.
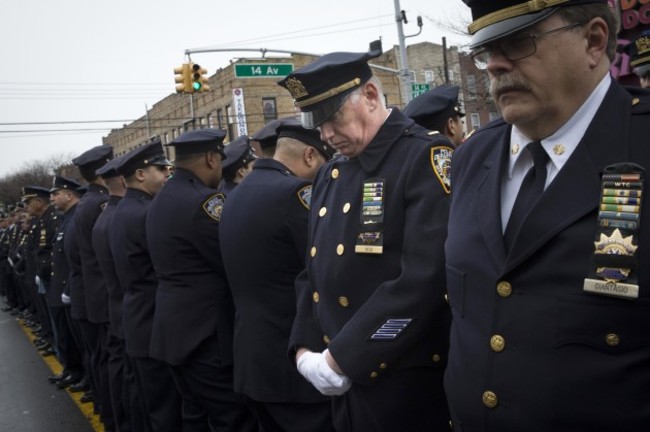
<point>266,138</point>
<point>264,222</point>
<point>372,322</point>
<point>639,52</point>
<point>37,203</point>
<point>145,170</point>
<point>238,163</point>
<point>95,329</point>
<point>64,198</point>
<point>193,324</point>
<point>438,110</point>
<point>550,300</point>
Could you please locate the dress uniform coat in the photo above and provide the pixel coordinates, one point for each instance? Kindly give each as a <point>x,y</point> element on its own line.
<point>60,267</point>
<point>542,354</point>
<point>101,235</point>
<point>134,269</point>
<point>45,231</point>
<point>193,302</point>
<point>89,207</point>
<point>348,301</point>
<point>75,285</point>
<point>263,234</point>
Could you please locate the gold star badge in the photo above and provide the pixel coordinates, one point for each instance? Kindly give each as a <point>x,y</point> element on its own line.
<point>558,149</point>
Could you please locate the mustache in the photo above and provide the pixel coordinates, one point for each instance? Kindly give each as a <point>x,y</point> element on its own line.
<point>505,83</point>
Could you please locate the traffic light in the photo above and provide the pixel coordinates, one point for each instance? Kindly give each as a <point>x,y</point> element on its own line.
<point>199,80</point>
<point>183,78</point>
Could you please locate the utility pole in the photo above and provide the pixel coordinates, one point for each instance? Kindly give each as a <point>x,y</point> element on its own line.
<point>404,75</point>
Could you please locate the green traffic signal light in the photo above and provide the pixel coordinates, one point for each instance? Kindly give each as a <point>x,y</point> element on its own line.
<point>198,79</point>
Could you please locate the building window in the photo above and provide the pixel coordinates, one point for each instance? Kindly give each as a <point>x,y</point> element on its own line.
<point>412,77</point>
<point>494,115</point>
<point>452,76</point>
<point>476,120</point>
<point>209,118</point>
<point>231,122</point>
<point>220,118</point>
<point>269,109</point>
<point>428,76</point>
<point>471,87</point>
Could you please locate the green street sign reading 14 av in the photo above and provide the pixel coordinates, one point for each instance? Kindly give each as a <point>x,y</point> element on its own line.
<point>263,70</point>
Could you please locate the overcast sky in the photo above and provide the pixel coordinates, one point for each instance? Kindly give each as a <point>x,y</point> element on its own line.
<point>67,65</point>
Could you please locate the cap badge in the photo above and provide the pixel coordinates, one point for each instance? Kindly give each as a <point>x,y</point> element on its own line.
<point>296,88</point>
<point>643,45</point>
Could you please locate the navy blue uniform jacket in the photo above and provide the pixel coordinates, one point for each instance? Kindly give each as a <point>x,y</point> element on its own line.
<point>88,210</point>
<point>344,297</point>
<point>556,371</point>
<point>263,235</point>
<point>75,286</point>
<point>193,302</point>
<point>101,244</point>
<point>128,243</point>
<point>60,267</point>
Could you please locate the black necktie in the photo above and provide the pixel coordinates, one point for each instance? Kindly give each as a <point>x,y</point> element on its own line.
<point>529,192</point>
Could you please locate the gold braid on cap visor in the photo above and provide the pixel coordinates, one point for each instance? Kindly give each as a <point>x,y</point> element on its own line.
<point>512,12</point>
<point>639,61</point>
<point>332,92</point>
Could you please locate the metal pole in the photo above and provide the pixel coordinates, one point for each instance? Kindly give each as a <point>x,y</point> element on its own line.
<point>404,68</point>
<point>444,59</point>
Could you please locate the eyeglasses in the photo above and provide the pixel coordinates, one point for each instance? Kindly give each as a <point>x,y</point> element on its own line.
<point>515,48</point>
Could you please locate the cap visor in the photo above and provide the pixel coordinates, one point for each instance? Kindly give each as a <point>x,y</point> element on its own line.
<point>321,112</point>
<point>507,27</point>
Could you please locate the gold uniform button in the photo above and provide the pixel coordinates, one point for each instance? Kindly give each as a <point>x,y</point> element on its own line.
<point>326,339</point>
<point>374,374</point>
<point>315,296</point>
<point>343,301</point>
<point>497,343</point>
<point>346,207</point>
<point>504,289</point>
<point>340,249</point>
<point>322,212</point>
<point>435,358</point>
<point>383,366</point>
<point>490,399</point>
<point>335,173</point>
<point>313,251</point>
<point>612,339</point>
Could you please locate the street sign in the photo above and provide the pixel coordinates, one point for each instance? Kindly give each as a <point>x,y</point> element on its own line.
<point>417,89</point>
<point>263,70</point>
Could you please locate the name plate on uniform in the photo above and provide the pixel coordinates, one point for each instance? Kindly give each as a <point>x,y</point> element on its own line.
<point>614,289</point>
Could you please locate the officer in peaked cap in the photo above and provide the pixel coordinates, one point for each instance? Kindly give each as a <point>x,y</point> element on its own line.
<point>60,182</point>
<point>371,211</point>
<point>639,52</point>
<point>267,138</point>
<point>532,275</point>
<point>29,192</point>
<point>264,293</point>
<point>151,154</point>
<point>320,88</point>
<point>193,325</point>
<point>439,110</point>
<point>93,314</point>
<point>240,157</point>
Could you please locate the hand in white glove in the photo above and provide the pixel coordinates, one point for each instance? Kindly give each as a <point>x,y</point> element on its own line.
<point>314,367</point>
<point>37,280</point>
<point>65,298</point>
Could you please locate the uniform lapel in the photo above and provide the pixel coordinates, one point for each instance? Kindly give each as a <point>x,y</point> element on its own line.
<point>487,205</point>
<point>575,191</point>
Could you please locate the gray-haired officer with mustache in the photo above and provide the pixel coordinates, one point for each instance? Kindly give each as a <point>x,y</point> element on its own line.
<point>372,324</point>
<point>549,230</point>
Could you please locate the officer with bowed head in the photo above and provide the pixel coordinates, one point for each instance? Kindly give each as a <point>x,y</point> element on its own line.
<point>193,325</point>
<point>240,157</point>
<point>270,210</point>
<point>372,325</point>
<point>439,110</point>
<point>546,233</point>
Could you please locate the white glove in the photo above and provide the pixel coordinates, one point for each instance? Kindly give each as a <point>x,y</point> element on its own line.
<point>37,280</point>
<point>65,298</point>
<point>314,367</point>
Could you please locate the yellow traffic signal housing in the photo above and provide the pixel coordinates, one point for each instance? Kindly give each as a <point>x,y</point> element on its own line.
<point>183,78</point>
<point>199,80</point>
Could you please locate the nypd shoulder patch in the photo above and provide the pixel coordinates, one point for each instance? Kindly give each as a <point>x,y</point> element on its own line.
<point>304,195</point>
<point>213,206</point>
<point>441,164</point>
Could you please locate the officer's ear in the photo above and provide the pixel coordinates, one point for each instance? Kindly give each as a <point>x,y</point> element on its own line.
<point>309,156</point>
<point>212,160</point>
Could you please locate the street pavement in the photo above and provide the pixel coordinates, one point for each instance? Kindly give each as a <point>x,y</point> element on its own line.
<point>28,402</point>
